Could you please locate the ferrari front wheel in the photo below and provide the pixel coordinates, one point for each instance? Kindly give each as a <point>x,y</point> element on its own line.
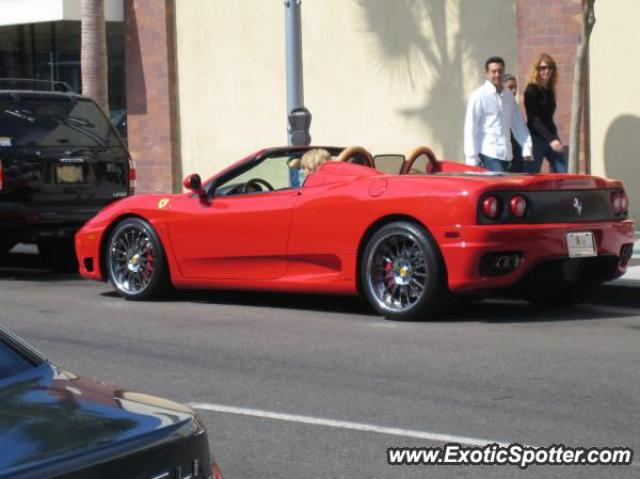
<point>401,273</point>
<point>135,261</point>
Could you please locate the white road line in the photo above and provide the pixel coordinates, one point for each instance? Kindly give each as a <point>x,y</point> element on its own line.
<point>354,426</point>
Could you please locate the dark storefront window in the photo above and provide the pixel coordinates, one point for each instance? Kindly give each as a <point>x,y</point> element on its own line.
<point>51,51</point>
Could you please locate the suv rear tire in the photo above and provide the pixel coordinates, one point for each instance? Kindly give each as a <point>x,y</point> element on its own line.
<point>5,247</point>
<point>58,254</point>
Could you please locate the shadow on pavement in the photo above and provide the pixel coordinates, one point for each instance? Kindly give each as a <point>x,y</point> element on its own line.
<point>29,267</point>
<point>489,311</point>
<point>622,295</point>
<point>311,302</point>
<point>499,311</point>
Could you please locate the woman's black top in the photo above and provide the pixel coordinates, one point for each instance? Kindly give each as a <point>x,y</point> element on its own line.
<point>540,104</point>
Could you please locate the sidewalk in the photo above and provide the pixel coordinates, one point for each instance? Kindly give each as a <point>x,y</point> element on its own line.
<point>624,291</point>
<point>632,276</point>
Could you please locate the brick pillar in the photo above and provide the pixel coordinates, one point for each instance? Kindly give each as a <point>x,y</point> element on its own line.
<point>553,27</point>
<point>152,104</point>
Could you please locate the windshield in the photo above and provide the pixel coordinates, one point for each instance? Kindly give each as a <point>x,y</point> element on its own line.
<point>272,173</point>
<point>38,121</point>
<point>280,170</point>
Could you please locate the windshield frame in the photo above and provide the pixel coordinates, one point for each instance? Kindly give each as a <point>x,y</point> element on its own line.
<point>251,163</point>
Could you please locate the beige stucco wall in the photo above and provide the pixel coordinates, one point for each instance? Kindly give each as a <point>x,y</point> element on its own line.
<point>385,74</point>
<point>615,98</point>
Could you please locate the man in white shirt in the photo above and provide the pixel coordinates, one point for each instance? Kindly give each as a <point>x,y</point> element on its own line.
<point>492,114</point>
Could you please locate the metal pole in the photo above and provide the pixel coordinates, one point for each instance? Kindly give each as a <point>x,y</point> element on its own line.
<point>295,94</point>
<point>295,87</point>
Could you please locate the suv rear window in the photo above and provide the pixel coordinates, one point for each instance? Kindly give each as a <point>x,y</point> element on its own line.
<point>45,121</point>
<point>12,362</point>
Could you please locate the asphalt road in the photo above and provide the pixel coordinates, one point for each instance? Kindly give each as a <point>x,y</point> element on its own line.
<point>273,371</point>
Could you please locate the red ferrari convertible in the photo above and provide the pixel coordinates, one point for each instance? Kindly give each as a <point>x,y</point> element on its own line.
<point>407,233</point>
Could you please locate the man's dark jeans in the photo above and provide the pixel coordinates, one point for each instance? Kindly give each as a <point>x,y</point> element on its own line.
<point>494,164</point>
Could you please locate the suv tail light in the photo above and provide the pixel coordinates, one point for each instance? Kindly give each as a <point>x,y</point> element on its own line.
<point>518,206</point>
<point>491,206</point>
<point>132,177</point>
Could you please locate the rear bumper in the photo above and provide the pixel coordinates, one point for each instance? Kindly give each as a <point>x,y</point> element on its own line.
<point>22,224</point>
<point>538,244</point>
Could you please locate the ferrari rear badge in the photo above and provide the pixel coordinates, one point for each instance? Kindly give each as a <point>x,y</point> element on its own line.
<point>163,202</point>
<point>577,205</point>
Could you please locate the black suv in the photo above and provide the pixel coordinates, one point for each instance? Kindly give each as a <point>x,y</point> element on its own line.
<point>61,161</point>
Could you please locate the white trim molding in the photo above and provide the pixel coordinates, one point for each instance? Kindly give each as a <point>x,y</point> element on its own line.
<point>19,12</point>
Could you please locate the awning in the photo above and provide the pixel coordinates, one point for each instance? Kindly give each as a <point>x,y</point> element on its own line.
<point>18,12</point>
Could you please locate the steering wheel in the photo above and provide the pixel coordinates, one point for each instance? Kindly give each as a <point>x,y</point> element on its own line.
<point>432,167</point>
<point>256,182</point>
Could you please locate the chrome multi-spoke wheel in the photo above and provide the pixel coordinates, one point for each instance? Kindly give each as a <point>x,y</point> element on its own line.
<point>400,271</point>
<point>397,271</point>
<point>135,260</point>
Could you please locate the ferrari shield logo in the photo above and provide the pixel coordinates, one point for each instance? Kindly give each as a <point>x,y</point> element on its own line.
<point>163,202</point>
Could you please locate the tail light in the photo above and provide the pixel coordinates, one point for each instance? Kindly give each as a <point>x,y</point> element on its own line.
<point>132,177</point>
<point>619,202</point>
<point>491,206</point>
<point>1,175</point>
<point>615,203</point>
<point>624,202</point>
<point>518,206</point>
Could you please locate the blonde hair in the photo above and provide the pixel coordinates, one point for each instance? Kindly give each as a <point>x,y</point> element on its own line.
<point>534,75</point>
<point>314,158</point>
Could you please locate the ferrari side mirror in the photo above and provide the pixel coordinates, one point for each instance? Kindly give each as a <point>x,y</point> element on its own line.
<point>194,183</point>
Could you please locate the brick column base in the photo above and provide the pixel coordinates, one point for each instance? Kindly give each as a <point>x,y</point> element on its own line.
<point>152,112</point>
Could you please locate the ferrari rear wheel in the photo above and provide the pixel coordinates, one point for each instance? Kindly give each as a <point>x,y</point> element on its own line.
<point>401,274</point>
<point>135,260</point>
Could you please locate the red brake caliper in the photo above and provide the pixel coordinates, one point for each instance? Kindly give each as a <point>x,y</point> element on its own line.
<point>150,259</point>
<point>388,270</point>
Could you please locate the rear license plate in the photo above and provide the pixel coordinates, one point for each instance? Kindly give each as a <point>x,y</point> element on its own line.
<point>69,174</point>
<point>581,245</point>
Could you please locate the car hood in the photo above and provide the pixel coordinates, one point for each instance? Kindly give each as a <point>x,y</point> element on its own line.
<point>52,418</point>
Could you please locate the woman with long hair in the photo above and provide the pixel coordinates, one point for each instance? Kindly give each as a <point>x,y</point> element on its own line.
<point>540,104</point>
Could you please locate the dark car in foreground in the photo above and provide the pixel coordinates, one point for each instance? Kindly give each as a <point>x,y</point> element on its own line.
<point>54,424</point>
<point>61,161</point>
